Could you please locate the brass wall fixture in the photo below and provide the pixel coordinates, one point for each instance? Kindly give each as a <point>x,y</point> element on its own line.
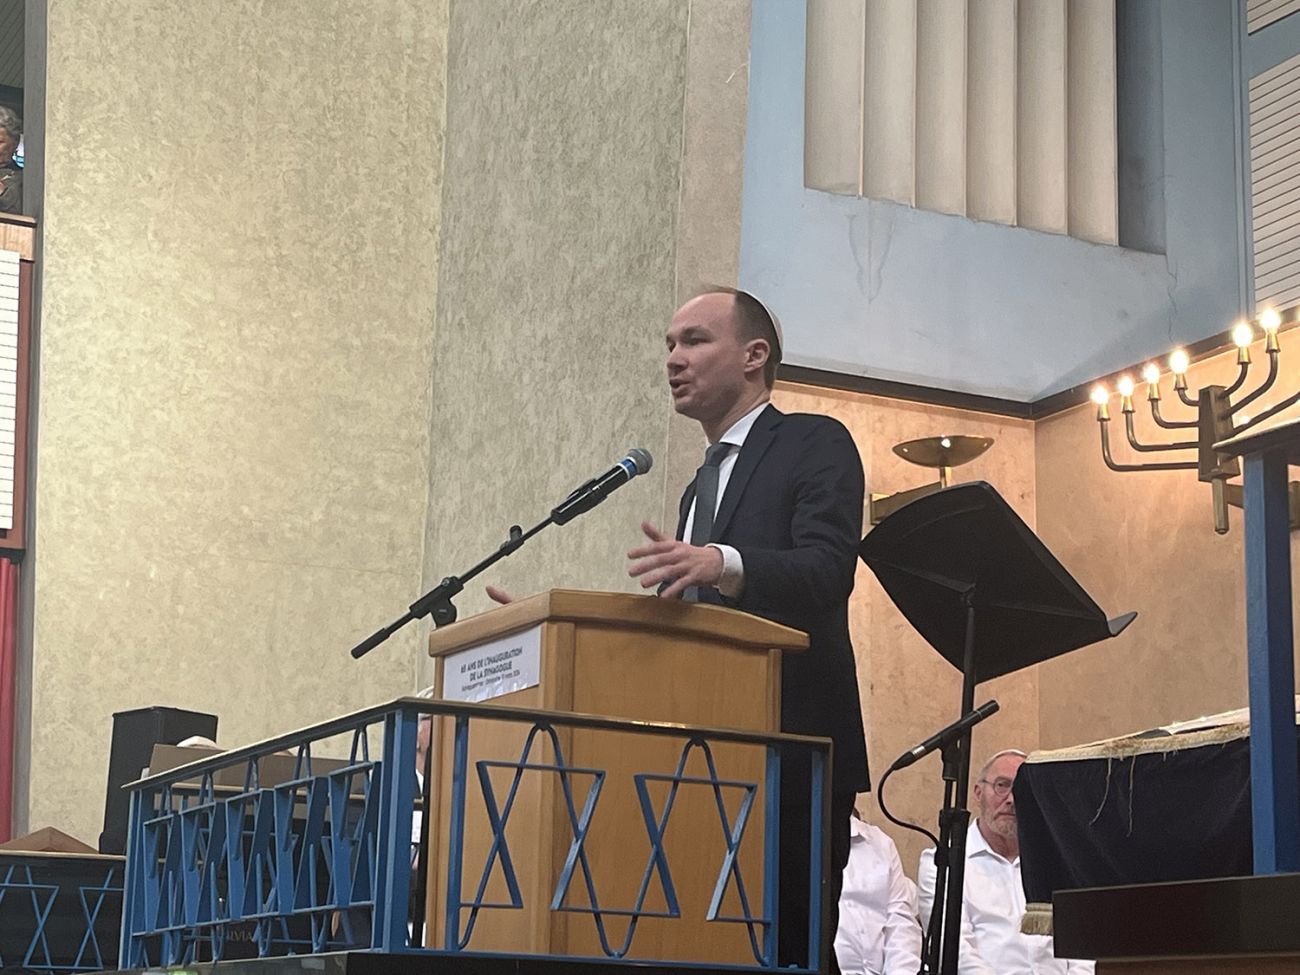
<point>943,453</point>
<point>1218,418</point>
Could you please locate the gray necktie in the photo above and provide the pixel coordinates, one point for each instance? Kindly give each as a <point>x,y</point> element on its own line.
<point>706,502</point>
<point>706,493</point>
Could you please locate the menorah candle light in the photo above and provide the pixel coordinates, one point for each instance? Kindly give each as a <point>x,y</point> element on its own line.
<point>1218,417</point>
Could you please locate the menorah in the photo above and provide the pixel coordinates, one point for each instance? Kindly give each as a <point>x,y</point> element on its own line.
<point>1218,418</point>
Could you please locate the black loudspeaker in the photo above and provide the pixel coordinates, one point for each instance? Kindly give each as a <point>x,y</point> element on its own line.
<point>134,735</point>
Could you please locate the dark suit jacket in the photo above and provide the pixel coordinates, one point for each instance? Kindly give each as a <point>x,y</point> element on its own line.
<point>793,509</point>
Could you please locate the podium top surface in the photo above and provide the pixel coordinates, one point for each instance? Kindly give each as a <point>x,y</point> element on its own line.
<point>623,610</point>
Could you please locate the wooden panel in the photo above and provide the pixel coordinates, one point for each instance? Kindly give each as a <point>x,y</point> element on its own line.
<point>495,929</point>
<point>645,613</point>
<point>1275,183</point>
<point>685,669</point>
<point>1041,46</point>
<point>673,679</point>
<point>941,106</point>
<point>832,145</point>
<point>889,101</point>
<point>991,111</point>
<point>1092,177</point>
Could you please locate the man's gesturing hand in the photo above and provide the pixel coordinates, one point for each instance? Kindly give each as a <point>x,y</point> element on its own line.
<point>663,559</point>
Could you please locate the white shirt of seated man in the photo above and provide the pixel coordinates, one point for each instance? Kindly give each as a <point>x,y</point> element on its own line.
<point>878,933</point>
<point>994,897</point>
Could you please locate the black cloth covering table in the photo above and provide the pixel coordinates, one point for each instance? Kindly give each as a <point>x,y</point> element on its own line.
<point>1165,805</point>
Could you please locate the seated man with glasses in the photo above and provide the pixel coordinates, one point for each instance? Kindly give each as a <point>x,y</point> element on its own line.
<point>994,898</point>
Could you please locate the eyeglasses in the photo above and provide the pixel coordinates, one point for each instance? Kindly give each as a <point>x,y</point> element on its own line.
<point>1000,787</point>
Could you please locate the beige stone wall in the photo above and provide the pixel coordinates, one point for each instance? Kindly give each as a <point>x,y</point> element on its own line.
<point>240,264</point>
<point>557,281</point>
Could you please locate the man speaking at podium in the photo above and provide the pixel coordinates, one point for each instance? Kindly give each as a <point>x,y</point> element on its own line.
<point>771,526</point>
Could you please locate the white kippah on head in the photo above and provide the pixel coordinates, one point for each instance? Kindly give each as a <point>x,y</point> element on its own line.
<point>996,755</point>
<point>776,323</point>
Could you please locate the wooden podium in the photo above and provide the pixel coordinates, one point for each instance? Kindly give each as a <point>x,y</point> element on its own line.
<point>621,656</point>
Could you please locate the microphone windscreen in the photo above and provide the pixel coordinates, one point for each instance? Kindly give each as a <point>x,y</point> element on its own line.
<point>641,458</point>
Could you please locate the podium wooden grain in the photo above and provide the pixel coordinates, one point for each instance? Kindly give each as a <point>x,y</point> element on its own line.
<point>621,656</point>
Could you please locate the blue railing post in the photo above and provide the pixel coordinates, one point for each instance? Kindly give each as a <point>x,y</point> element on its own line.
<point>129,955</point>
<point>772,854</point>
<point>397,801</point>
<point>1275,803</point>
<point>456,832</point>
<point>818,859</point>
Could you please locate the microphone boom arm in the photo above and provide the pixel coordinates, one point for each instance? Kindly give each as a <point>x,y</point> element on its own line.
<point>438,600</point>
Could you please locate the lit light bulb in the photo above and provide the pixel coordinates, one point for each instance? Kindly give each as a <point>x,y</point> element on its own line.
<point>1151,373</point>
<point>1179,361</point>
<point>1242,334</point>
<point>1100,395</point>
<point>945,443</point>
<point>1125,386</point>
<point>1270,320</point>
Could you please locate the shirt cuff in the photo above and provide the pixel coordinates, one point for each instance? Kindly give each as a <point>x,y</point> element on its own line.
<point>732,581</point>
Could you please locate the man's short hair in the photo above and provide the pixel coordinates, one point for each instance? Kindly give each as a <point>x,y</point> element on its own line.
<point>754,321</point>
<point>984,769</point>
<point>11,123</point>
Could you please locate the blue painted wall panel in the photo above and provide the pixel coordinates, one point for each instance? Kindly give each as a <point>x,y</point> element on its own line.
<point>874,288</point>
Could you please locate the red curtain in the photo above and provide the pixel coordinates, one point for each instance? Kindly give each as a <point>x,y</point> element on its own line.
<point>8,690</point>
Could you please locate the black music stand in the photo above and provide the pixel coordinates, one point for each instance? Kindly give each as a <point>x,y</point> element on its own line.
<point>977,583</point>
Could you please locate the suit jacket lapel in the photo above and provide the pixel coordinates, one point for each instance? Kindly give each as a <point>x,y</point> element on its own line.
<point>684,508</point>
<point>760,437</point>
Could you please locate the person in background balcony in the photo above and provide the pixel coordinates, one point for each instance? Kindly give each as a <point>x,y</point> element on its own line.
<point>11,177</point>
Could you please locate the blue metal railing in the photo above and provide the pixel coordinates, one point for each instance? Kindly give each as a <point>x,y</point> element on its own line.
<point>37,894</point>
<point>323,860</point>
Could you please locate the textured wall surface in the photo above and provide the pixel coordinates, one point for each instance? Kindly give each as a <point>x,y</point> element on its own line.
<point>708,221</point>
<point>908,691</point>
<point>562,180</point>
<point>240,268</point>
<point>1146,542</point>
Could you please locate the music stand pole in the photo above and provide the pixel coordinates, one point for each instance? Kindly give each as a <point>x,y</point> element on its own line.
<point>944,939</point>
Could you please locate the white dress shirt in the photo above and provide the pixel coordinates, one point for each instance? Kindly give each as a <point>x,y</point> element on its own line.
<point>732,583</point>
<point>994,903</point>
<point>878,933</point>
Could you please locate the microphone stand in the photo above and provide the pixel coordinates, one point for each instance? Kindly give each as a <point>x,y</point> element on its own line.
<point>944,935</point>
<point>954,820</point>
<point>437,601</point>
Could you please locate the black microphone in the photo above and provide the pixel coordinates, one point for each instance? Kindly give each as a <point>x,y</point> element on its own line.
<point>947,736</point>
<point>588,495</point>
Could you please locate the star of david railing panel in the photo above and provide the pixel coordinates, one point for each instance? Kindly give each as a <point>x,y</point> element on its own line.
<point>57,912</point>
<point>255,853</point>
